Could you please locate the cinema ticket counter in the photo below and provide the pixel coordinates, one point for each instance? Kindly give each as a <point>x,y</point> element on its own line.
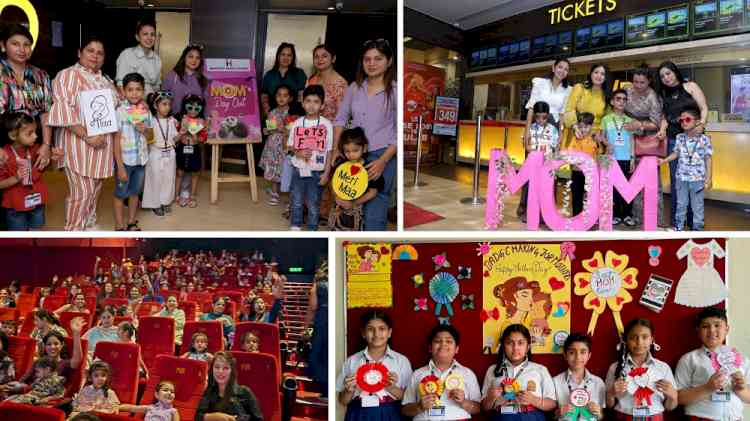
<point>495,134</point>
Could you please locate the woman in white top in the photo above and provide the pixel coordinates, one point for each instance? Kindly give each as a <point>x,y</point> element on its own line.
<point>142,58</point>
<point>554,90</point>
<point>384,404</point>
<point>515,388</point>
<point>436,400</point>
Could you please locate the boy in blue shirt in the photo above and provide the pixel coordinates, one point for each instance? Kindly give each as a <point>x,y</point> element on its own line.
<point>622,145</point>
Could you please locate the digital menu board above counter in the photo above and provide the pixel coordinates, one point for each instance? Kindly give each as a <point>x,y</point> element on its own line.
<point>689,20</point>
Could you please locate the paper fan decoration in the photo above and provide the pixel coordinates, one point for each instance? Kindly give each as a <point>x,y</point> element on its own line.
<point>605,285</point>
<point>405,252</point>
<point>443,290</point>
<point>372,377</point>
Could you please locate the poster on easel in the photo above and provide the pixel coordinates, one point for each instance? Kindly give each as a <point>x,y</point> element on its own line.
<point>232,102</point>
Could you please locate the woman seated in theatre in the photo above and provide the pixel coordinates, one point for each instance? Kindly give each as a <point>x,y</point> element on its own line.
<point>224,399</point>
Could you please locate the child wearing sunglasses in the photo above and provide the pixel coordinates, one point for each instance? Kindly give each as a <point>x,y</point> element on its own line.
<point>159,189</point>
<point>193,132</point>
<point>694,150</point>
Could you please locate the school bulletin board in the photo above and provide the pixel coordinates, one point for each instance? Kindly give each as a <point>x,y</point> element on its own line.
<point>482,287</point>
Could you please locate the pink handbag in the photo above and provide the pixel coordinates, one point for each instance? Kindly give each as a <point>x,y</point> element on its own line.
<point>650,145</point>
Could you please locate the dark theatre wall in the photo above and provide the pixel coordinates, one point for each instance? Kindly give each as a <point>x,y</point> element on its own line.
<point>674,325</point>
<point>35,261</point>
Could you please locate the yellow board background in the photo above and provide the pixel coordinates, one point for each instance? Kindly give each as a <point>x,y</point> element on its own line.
<point>368,285</point>
<point>536,262</point>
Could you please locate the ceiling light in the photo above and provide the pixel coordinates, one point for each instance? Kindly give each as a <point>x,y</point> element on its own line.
<point>331,8</point>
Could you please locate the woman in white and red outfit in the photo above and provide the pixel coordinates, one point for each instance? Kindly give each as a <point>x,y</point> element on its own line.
<point>87,159</point>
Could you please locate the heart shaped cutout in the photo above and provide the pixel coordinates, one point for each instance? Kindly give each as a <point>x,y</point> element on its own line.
<point>596,302</point>
<point>700,255</point>
<point>582,283</point>
<point>354,169</point>
<point>593,263</point>
<point>616,262</point>
<point>556,284</point>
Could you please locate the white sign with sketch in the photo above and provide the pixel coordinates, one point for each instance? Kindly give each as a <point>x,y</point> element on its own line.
<point>98,111</point>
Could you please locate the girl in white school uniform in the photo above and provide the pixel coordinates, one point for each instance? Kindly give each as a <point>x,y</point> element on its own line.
<point>515,388</point>
<point>158,190</point>
<point>640,387</point>
<point>385,403</point>
<point>586,390</point>
<point>443,389</point>
<point>709,390</point>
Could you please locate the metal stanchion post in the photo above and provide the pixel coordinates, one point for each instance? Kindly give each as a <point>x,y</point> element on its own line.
<point>417,184</point>
<point>475,200</point>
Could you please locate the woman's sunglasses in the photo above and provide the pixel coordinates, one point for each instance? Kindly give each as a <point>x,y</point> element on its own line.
<point>686,120</point>
<point>376,43</point>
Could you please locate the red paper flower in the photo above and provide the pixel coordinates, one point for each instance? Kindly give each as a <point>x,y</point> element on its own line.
<point>372,377</point>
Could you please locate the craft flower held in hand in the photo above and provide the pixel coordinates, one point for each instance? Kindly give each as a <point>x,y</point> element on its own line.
<point>605,285</point>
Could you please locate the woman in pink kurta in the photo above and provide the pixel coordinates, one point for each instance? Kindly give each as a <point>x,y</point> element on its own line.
<point>332,82</point>
<point>88,160</point>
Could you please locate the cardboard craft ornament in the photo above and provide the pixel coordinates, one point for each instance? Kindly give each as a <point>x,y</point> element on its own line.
<point>641,383</point>
<point>372,377</point>
<point>137,113</point>
<point>727,360</point>
<point>655,294</point>
<point>431,384</point>
<point>579,399</point>
<point>350,181</point>
<point>193,125</point>
<point>454,381</point>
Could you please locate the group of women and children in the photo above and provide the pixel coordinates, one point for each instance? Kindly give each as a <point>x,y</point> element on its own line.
<point>162,125</point>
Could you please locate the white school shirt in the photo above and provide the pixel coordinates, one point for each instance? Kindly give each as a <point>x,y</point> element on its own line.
<point>523,373</point>
<point>564,384</point>
<point>318,159</point>
<point>694,369</point>
<point>452,409</point>
<point>392,360</point>
<point>542,90</point>
<point>659,369</point>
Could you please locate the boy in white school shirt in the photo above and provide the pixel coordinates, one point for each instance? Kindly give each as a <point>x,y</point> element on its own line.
<point>458,391</point>
<point>708,390</point>
<point>577,352</point>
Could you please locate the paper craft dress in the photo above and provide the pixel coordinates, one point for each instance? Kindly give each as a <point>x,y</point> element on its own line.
<point>700,285</point>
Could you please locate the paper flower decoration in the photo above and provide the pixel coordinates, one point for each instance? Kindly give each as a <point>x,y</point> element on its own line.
<point>641,385</point>
<point>483,249</point>
<point>418,280</point>
<point>431,384</point>
<point>137,113</point>
<point>567,250</point>
<point>467,301</point>
<point>441,261</point>
<point>405,252</point>
<point>464,272</point>
<point>443,290</point>
<point>193,125</point>
<point>510,388</point>
<point>605,285</point>
<point>420,304</point>
<point>372,377</point>
<point>653,253</point>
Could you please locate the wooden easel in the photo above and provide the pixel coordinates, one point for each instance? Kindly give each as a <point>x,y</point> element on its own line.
<point>216,160</point>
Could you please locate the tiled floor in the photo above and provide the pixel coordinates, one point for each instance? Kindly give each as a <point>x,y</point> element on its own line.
<point>234,211</point>
<point>447,184</point>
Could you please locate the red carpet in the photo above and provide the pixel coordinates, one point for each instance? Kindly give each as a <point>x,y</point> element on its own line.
<point>414,215</point>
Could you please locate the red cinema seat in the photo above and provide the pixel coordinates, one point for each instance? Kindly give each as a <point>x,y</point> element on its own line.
<point>115,302</point>
<point>267,298</point>
<point>26,288</point>
<point>267,333</point>
<point>148,308</point>
<point>62,292</point>
<point>22,351</point>
<point>28,325</point>
<point>15,411</point>
<point>199,297</point>
<point>230,308</point>
<point>235,296</point>
<point>123,358</point>
<point>90,290</point>
<point>156,337</point>
<point>53,302</point>
<point>114,417</point>
<point>120,319</point>
<point>213,329</point>
<point>67,316</point>
<point>260,372</point>
<point>8,314</point>
<point>191,310</point>
<point>91,303</point>
<point>26,303</point>
<point>73,383</point>
<point>189,378</point>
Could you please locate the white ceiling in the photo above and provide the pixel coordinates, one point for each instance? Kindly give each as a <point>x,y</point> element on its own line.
<point>469,14</point>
